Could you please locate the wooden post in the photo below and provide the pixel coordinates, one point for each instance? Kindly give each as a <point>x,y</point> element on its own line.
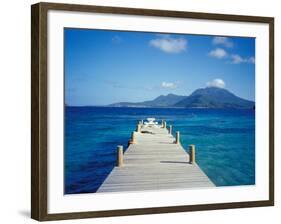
<point>177,137</point>
<point>192,153</point>
<point>165,124</point>
<point>170,129</point>
<point>119,155</point>
<point>138,128</point>
<point>133,138</point>
<point>162,124</point>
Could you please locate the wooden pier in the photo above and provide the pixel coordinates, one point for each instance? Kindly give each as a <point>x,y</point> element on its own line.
<point>155,160</point>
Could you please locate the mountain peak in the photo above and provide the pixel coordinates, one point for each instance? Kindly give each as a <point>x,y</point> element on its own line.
<point>171,94</point>
<point>215,97</point>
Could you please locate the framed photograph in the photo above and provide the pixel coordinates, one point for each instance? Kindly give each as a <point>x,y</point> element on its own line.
<point>139,111</point>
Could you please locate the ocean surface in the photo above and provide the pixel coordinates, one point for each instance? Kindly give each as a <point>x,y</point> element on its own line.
<point>224,139</point>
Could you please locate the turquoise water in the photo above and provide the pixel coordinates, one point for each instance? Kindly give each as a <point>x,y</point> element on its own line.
<point>224,139</point>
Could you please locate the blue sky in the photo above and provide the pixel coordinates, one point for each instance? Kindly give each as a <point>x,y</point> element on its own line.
<point>103,67</point>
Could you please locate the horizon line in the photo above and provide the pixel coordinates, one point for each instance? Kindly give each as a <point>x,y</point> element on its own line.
<point>107,105</point>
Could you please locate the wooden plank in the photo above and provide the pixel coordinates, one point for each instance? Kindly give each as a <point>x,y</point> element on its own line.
<point>155,162</point>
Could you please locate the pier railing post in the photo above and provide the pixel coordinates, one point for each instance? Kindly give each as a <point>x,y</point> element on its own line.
<point>162,124</point>
<point>133,137</point>
<point>192,153</point>
<point>119,155</point>
<point>177,137</point>
<point>165,124</point>
<point>170,129</point>
<point>138,128</point>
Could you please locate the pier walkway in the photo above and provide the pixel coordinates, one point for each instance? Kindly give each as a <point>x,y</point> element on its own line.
<point>155,160</point>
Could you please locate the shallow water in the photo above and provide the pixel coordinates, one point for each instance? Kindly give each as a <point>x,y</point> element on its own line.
<point>224,139</point>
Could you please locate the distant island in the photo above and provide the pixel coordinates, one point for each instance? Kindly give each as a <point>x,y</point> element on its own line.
<point>209,97</point>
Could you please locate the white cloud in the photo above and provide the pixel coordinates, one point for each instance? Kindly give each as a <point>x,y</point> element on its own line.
<point>119,85</point>
<point>237,59</point>
<point>168,44</point>
<point>224,41</point>
<point>252,60</point>
<point>168,85</point>
<point>218,53</point>
<point>219,83</point>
